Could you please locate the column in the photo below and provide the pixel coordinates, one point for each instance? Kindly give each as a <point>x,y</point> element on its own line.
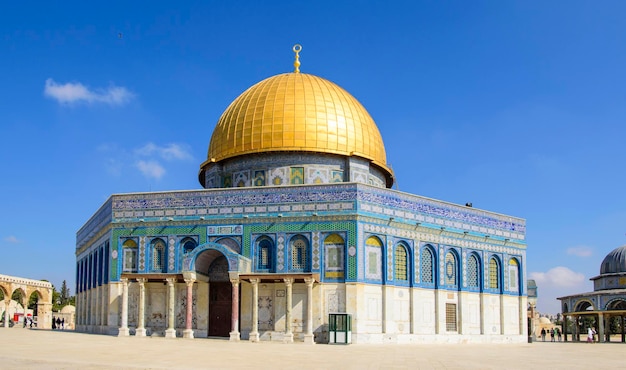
<point>623,331</point>
<point>123,330</point>
<point>308,336</point>
<point>288,338</point>
<point>564,327</point>
<point>234,317</point>
<point>7,301</point>
<point>601,338</point>
<point>254,334</point>
<point>141,330</point>
<point>188,332</point>
<point>170,332</point>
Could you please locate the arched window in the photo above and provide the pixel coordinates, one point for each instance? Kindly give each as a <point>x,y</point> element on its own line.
<point>494,274</point>
<point>513,275</point>
<point>129,249</point>
<point>299,253</point>
<point>264,254</point>
<point>427,273</point>
<point>401,263</point>
<point>373,256</point>
<point>473,276</point>
<point>451,278</point>
<point>334,246</point>
<point>189,245</point>
<point>158,255</point>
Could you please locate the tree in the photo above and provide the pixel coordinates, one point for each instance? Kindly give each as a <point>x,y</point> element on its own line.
<point>65,294</point>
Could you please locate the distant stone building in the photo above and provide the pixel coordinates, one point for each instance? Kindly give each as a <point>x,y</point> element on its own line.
<point>298,220</point>
<point>27,287</point>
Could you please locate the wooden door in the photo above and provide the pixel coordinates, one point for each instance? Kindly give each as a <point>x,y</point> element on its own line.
<point>220,309</point>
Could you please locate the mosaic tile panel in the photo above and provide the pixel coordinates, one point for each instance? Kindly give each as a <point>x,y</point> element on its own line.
<point>259,178</point>
<point>336,176</point>
<point>142,253</point>
<point>278,176</point>
<point>241,179</point>
<point>171,254</point>
<point>296,176</point>
<point>280,253</point>
<point>389,259</point>
<point>315,243</point>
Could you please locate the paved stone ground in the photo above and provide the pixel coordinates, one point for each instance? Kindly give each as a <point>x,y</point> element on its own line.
<point>45,349</point>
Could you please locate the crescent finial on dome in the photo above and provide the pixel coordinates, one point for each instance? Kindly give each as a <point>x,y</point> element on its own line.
<point>296,49</point>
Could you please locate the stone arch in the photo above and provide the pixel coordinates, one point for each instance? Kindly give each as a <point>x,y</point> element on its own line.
<point>584,305</point>
<point>19,295</point>
<point>4,290</point>
<point>230,243</point>
<point>202,256</point>
<point>615,304</point>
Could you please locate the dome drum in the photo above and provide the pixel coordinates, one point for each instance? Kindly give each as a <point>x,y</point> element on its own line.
<point>290,168</point>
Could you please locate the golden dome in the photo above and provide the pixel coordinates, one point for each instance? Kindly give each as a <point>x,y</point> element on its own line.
<point>297,112</point>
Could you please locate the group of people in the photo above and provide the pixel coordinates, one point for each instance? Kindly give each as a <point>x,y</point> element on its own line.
<point>553,332</point>
<point>28,321</point>
<point>58,323</point>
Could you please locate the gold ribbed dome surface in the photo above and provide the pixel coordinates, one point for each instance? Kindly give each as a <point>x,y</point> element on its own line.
<point>296,112</point>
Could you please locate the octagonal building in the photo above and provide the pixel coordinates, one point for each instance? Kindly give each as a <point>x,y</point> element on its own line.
<point>297,224</point>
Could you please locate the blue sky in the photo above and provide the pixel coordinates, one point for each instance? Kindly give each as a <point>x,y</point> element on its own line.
<point>517,107</point>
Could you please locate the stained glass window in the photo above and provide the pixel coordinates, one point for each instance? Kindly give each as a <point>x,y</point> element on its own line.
<point>472,272</point>
<point>298,254</point>
<point>400,265</point>
<point>494,274</point>
<point>426,267</point>
<point>513,275</point>
<point>450,266</point>
<point>265,254</point>
<point>158,255</point>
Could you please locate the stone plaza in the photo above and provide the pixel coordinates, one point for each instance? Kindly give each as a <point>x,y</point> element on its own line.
<point>47,349</point>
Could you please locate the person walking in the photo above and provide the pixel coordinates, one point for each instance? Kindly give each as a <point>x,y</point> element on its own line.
<point>543,334</point>
<point>558,333</point>
<point>552,335</point>
<point>590,333</point>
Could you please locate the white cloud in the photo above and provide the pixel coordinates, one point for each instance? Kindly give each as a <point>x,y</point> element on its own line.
<point>581,251</point>
<point>11,239</point>
<point>69,93</point>
<point>557,282</point>
<point>558,277</point>
<point>168,152</point>
<point>150,169</point>
<point>175,151</point>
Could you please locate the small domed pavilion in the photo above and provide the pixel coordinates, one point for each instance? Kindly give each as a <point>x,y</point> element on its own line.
<point>607,302</point>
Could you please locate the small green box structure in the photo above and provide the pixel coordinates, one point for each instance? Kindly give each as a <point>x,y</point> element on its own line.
<point>340,328</point>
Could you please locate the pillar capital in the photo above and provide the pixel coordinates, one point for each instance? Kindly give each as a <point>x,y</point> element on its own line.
<point>234,281</point>
<point>124,281</point>
<point>170,281</point>
<point>255,281</point>
<point>288,281</point>
<point>309,281</point>
<point>190,281</point>
<point>142,281</point>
